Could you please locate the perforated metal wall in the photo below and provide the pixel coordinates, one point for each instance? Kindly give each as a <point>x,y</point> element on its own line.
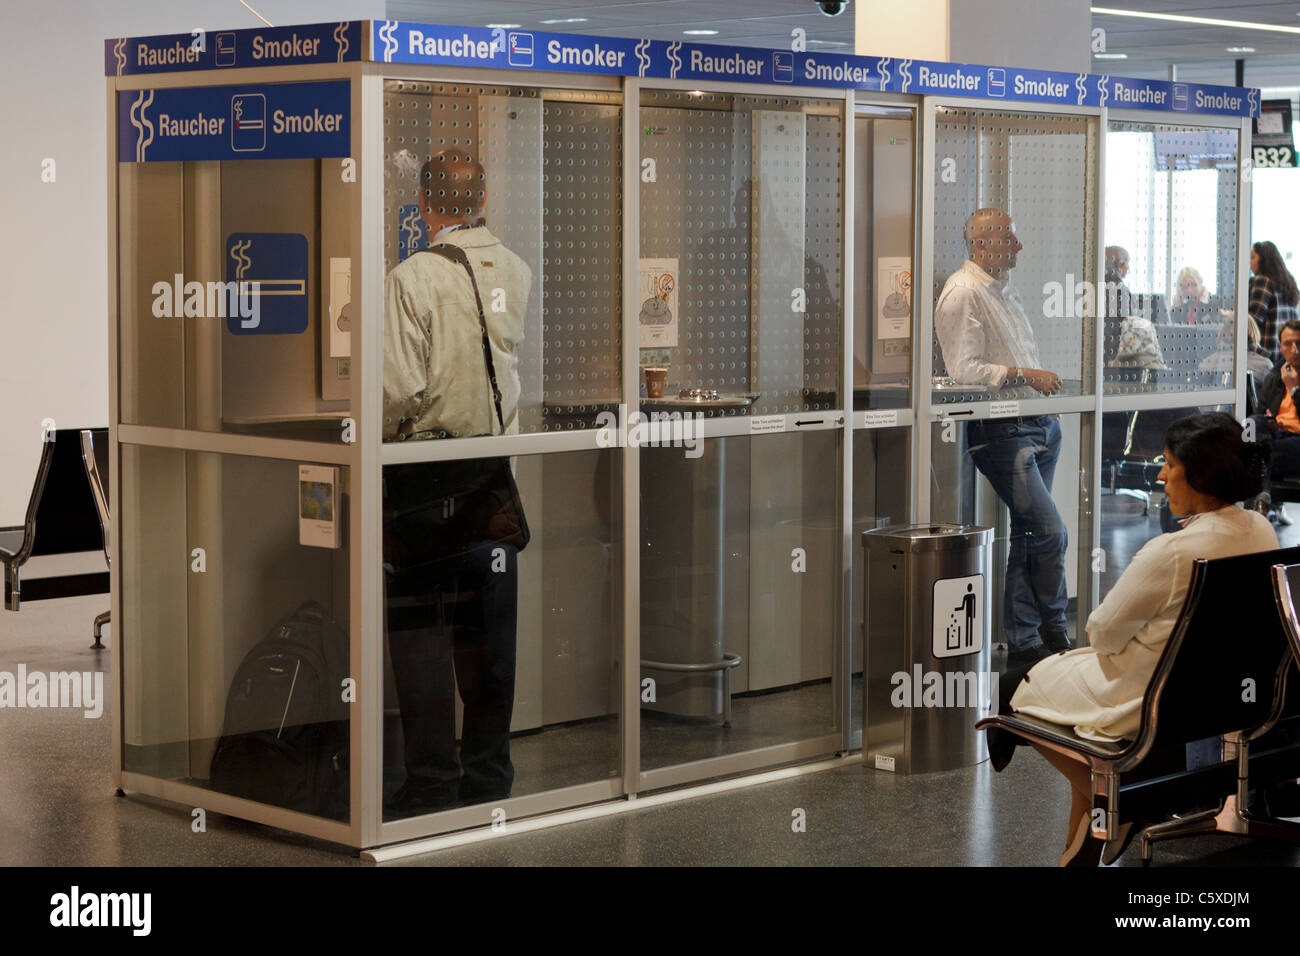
<point>1171,269</point>
<point>552,163</point>
<point>583,249</point>
<point>1038,168</point>
<point>747,194</point>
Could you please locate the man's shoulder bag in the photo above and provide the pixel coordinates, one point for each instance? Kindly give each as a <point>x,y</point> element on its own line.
<point>434,512</point>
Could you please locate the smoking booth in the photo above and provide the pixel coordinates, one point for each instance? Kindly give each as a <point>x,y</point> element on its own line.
<point>496,414</point>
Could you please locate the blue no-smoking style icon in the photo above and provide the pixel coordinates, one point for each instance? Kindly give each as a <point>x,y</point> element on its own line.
<point>783,67</point>
<point>412,236</point>
<point>521,49</point>
<point>277,262</point>
<point>248,122</point>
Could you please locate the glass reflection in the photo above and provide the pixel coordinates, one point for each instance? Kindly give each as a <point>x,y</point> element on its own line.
<point>501,632</point>
<point>1013,267</point>
<point>476,177</point>
<point>235,653</point>
<point>1133,505</point>
<point>1171,260</point>
<point>1018,485</point>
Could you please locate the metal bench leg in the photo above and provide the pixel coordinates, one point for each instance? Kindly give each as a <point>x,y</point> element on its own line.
<point>13,588</point>
<point>1207,821</point>
<point>100,621</point>
<point>1269,829</point>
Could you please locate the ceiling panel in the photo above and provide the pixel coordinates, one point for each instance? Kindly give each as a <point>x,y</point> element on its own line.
<point>1199,51</point>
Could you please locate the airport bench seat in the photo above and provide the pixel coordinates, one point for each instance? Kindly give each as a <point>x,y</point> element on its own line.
<point>1198,692</point>
<point>65,515</point>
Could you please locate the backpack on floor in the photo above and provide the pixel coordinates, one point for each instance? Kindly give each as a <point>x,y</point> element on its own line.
<point>285,736</point>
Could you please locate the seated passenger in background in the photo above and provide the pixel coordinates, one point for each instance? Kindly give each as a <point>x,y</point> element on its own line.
<point>1278,422</point>
<point>1223,358</point>
<point>1119,300</point>
<point>1098,689</point>
<point>1192,301</point>
<point>1138,345</point>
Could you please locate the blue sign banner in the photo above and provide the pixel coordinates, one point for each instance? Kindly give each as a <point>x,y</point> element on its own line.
<point>225,49</point>
<point>412,232</point>
<point>400,41</point>
<point>397,41</point>
<point>265,121</point>
<point>277,262</point>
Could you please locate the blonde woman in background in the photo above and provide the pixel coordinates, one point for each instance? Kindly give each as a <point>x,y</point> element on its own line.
<point>1192,301</point>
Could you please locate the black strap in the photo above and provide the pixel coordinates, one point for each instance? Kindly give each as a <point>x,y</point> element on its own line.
<point>457,254</point>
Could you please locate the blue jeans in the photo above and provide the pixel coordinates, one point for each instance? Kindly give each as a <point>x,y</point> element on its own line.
<point>1018,457</point>
<point>440,645</point>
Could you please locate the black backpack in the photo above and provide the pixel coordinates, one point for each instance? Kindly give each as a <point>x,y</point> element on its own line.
<point>285,737</point>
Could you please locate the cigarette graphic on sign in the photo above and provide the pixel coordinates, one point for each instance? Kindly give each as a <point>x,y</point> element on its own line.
<point>248,122</point>
<point>278,263</point>
<point>239,252</point>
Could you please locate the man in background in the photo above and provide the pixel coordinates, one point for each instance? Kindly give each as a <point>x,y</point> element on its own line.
<point>987,341</point>
<point>1279,421</point>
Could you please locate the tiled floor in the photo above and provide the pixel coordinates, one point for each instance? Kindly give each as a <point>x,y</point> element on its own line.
<point>57,804</point>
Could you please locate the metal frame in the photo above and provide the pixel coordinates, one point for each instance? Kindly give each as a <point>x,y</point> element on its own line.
<point>840,419</point>
<point>350,456</point>
<point>366,457</point>
<point>1235,396</point>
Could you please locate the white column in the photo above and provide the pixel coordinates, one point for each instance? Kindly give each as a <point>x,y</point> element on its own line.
<point>1041,34</point>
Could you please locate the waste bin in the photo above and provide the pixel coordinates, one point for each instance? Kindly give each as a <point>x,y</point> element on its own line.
<point>928,643</point>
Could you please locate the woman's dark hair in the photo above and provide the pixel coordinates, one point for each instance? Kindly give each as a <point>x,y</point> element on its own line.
<point>1272,266</point>
<point>1216,457</point>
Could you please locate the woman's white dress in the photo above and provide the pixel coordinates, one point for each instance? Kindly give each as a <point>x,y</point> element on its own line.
<point>1098,689</point>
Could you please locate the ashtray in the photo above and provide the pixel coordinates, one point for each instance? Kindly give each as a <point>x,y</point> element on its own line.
<point>699,394</point>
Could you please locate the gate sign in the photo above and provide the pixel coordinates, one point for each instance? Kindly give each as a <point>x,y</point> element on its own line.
<point>265,121</point>
<point>277,262</point>
<point>957,616</point>
<point>1272,146</point>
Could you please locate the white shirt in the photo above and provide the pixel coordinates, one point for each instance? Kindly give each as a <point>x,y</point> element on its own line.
<point>435,376</point>
<point>982,328</point>
<point>1099,689</point>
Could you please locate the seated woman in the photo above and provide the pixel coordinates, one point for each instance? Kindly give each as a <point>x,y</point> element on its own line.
<point>1192,303</point>
<point>1223,358</point>
<point>1099,689</point>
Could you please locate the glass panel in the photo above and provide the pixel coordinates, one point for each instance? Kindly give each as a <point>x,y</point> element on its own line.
<point>527,182</point>
<point>235,632</point>
<point>741,248</point>
<point>741,239</point>
<point>882,496</point>
<point>739,560</point>
<point>1028,479</point>
<point>1015,253</point>
<point>200,347</point>
<point>502,676</point>
<point>1133,505</point>
<point>1171,264</point>
<point>884,303</point>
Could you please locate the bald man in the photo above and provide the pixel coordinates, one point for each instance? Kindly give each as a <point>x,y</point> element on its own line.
<point>987,341</point>
<point>451,371</point>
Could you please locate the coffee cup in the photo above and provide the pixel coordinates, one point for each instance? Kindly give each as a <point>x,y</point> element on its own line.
<point>655,380</point>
